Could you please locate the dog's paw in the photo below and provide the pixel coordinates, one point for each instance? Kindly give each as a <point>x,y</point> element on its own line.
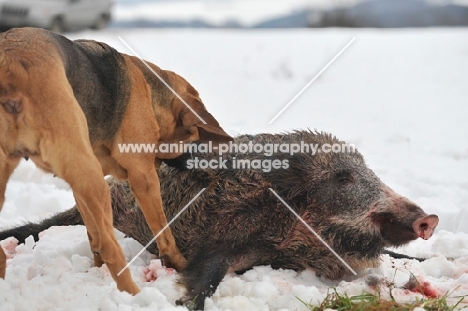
<point>177,262</point>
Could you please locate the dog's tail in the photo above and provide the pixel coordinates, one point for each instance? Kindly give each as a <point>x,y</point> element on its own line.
<point>68,218</point>
<point>4,64</point>
<point>3,58</point>
<point>12,70</point>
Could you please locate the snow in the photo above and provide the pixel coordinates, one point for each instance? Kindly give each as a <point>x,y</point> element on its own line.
<point>398,95</point>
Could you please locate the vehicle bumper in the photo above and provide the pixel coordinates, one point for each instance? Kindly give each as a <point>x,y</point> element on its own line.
<point>16,16</point>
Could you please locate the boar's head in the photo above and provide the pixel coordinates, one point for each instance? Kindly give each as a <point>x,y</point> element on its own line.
<point>345,202</point>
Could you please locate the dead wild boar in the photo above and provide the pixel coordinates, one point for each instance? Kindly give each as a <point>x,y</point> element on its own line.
<point>237,222</point>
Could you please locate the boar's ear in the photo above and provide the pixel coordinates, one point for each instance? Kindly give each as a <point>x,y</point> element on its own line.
<point>208,130</point>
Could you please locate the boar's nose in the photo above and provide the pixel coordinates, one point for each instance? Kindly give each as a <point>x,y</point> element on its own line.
<point>424,226</point>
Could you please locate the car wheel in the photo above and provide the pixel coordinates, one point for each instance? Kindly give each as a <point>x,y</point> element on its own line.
<point>102,22</point>
<point>57,25</point>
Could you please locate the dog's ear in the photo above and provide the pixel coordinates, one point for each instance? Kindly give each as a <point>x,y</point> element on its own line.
<point>209,130</point>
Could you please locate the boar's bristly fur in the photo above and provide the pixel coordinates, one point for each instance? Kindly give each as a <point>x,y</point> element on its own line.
<point>237,222</point>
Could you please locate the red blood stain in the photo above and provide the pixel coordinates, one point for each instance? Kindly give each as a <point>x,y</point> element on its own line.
<point>9,246</point>
<point>149,275</point>
<point>423,287</point>
<point>155,270</point>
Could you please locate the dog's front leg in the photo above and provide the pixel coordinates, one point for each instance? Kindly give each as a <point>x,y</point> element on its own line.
<point>146,188</point>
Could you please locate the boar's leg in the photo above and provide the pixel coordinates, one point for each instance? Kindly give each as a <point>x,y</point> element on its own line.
<point>401,256</point>
<point>201,277</point>
<point>70,217</point>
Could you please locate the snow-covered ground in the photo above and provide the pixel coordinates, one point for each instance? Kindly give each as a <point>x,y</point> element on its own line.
<point>399,95</point>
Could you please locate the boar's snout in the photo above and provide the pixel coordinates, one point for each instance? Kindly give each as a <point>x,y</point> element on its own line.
<point>424,226</point>
<point>400,220</point>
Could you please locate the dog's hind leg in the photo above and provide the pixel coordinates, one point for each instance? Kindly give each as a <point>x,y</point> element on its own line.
<point>83,172</point>
<point>68,153</point>
<point>7,166</point>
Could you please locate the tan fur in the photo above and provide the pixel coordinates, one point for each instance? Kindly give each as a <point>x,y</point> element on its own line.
<point>41,119</point>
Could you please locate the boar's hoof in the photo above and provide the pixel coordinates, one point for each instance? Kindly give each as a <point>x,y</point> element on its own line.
<point>193,304</point>
<point>373,280</point>
<point>401,256</point>
<point>424,227</point>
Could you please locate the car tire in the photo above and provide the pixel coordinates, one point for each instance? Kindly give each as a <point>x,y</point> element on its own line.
<point>57,25</point>
<point>102,22</point>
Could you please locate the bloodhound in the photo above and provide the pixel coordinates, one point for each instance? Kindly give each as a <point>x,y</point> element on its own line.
<point>67,105</point>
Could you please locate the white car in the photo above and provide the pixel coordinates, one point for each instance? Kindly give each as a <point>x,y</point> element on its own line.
<point>56,15</point>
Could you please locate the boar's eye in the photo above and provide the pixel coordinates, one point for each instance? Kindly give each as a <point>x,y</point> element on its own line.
<point>344,177</point>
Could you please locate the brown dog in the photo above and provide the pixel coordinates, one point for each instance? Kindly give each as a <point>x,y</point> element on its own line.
<point>68,104</point>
